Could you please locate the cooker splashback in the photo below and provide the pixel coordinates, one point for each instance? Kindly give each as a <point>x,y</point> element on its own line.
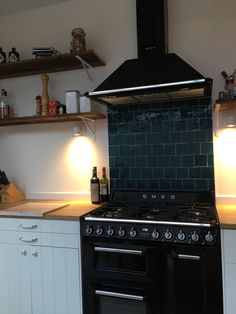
<point>163,145</point>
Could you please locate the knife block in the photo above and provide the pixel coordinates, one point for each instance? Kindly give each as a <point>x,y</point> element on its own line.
<point>10,194</point>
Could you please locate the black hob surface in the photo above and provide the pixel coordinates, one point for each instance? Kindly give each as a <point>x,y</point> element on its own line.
<point>193,207</point>
<point>200,213</point>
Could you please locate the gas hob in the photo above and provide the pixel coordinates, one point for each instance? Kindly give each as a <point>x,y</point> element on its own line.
<point>179,216</point>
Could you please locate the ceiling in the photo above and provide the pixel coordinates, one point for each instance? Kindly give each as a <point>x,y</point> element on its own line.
<point>13,6</point>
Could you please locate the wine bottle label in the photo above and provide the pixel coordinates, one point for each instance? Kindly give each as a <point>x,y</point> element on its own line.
<point>2,59</point>
<point>94,192</point>
<point>13,58</point>
<point>103,189</point>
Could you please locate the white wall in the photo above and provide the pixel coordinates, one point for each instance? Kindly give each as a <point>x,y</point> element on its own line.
<point>45,160</point>
<point>202,32</point>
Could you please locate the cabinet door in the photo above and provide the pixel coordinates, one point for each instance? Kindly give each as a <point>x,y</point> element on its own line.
<point>230,293</point>
<point>15,286</point>
<point>229,270</point>
<point>55,280</point>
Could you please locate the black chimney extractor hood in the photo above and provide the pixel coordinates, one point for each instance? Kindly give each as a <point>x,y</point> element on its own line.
<point>155,75</point>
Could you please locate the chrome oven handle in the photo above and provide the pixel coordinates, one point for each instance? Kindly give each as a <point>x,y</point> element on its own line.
<point>114,250</point>
<point>191,257</point>
<point>119,295</point>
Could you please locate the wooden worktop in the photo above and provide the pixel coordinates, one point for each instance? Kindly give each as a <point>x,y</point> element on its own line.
<point>227,215</point>
<point>73,211</point>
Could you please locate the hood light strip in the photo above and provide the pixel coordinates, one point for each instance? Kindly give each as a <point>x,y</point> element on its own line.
<point>127,89</point>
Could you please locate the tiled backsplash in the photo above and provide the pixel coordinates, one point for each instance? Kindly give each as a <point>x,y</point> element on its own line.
<point>164,145</point>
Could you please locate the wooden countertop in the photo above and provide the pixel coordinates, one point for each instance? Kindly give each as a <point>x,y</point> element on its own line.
<point>73,211</point>
<point>76,208</point>
<point>227,215</point>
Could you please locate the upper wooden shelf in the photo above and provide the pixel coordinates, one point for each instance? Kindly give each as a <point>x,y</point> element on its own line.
<point>51,119</point>
<point>62,62</point>
<point>226,104</point>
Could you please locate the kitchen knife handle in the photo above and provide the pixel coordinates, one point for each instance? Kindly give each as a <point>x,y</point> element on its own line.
<point>28,226</point>
<point>28,240</point>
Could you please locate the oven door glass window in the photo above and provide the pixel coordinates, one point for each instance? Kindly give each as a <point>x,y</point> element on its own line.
<point>108,302</point>
<point>123,258</point>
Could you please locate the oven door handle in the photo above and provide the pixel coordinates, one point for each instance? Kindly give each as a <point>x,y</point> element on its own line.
<point>115,250</point>
<point>119,295</point>
<point>190,257</point>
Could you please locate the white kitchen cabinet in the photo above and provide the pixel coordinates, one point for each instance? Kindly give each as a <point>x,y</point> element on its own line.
<point>39,271</point>
<point>228,238</point>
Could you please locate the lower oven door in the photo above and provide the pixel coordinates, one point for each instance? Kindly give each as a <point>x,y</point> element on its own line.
<point>117,299</point>
<point>192,281</point>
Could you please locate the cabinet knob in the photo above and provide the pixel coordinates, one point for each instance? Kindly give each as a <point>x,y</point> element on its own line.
<point>35,254</point>
<point>24,252</point>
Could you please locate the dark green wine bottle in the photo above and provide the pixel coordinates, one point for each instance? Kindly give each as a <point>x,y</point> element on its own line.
<point>104,187</point>
<point>95,187</point>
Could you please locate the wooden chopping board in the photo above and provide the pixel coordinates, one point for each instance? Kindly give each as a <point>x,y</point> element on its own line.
<point>34,209</point>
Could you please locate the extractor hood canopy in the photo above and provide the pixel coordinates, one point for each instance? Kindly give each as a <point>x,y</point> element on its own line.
<point>155,75</point>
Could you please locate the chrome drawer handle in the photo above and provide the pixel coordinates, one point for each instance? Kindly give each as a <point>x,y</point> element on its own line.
<point>119,295</point>
<point>114,250</point>
<point>191,257</point>
<point>28,240</point>
<point>28,227</point>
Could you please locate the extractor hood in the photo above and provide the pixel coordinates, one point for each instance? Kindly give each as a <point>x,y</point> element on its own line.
<point>155,75</point>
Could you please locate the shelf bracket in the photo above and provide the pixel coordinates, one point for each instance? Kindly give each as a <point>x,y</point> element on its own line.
<point>90,125</point>
<point>86,67</point>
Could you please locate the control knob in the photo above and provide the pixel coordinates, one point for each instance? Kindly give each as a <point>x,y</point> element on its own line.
<point>121,232</point>
<point>99,230</point>
<point>110,231</point>
<point>89,229</point>
<point>209,237</point>
<point>195,236</point>
<point>168,234</point>
<point>133,233</point>
<point>155,234</point>
<point>181,235</point>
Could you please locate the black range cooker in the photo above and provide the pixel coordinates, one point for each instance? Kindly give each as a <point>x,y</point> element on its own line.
<point>152,252</point>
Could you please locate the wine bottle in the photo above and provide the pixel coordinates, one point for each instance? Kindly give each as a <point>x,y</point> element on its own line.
<point>13,55</point>
<point>104,187</point>
<point>95,187</point>
<point>3,58</point>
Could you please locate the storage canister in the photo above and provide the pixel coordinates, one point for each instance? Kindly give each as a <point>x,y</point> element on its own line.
<point>72,101</point>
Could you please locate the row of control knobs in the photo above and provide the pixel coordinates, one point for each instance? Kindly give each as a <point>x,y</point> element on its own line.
<point>155,234</point>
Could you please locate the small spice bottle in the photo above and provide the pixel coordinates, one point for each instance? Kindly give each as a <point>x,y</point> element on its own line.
<point>13,55</point>
<point>38,105</point>
<point>60,109</point>
<point>3,58</point>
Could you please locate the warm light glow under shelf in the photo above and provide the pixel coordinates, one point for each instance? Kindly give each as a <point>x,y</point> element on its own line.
<point>80,158</point>
<point>225,148</point>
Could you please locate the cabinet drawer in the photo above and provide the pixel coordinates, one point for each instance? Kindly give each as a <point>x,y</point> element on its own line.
<point>39,225</point>
<point>229,245</point>
<point>40,239</point>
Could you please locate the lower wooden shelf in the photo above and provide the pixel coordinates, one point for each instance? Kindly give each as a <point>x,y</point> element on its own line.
<point>51,119</point>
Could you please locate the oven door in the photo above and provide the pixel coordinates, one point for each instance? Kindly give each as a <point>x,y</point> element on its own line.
<point>120,260</point>
<point>114,298</point>
<point>192,280</point>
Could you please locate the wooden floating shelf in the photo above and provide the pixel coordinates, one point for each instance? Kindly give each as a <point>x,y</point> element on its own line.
<point>51,119</point>
<point>62,62</point>
<point>226,104</point>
